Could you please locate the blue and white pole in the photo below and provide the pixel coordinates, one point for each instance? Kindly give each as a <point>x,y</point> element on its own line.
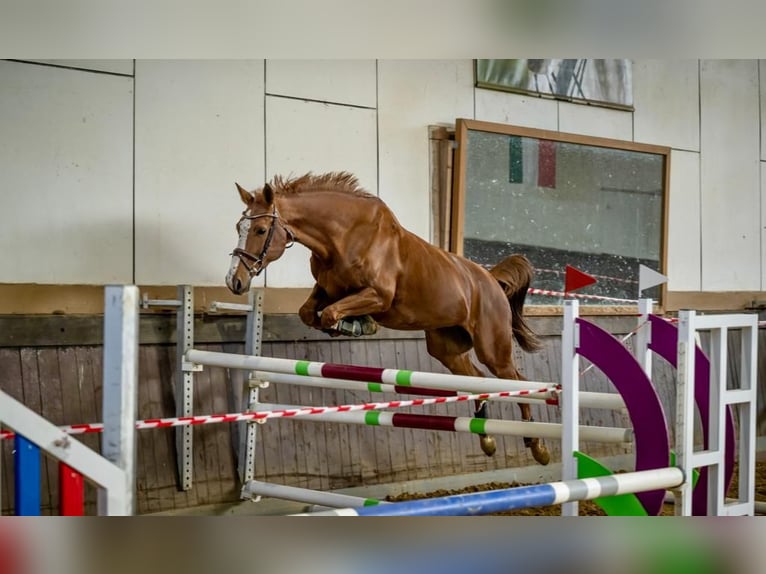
<point>489,502</point>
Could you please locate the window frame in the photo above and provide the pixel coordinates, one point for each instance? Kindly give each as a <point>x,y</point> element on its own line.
<point>457,216</point>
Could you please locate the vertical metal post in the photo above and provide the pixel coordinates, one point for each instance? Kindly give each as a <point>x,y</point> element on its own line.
<point>184,384</point>
<point>644,336</point>
<point>716,439</point>
<point>570,404</point>
<point>120,393</point>
<point>247,434</point>
<point>746,408</point>
<point>684,436</point>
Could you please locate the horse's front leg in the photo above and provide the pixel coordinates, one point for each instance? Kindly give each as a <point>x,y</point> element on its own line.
<point>364,302</point>
<point>310,310</point>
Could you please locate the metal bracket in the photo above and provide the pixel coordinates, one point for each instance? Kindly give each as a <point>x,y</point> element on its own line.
<point>256,383</point>
<point>188,367</point>
<point>217,306</point>
<point>252,408</point>
<point>146,302</point>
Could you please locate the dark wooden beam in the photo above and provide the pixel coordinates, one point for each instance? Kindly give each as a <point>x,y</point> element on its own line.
<point>159,328</point>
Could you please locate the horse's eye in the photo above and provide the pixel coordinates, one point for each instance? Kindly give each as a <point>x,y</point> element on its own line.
<point>260,231</point>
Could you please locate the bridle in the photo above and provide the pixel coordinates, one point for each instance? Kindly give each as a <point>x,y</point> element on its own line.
<point>257,262</point>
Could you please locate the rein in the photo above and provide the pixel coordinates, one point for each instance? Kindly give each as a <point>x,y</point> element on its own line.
<point>257,261</point>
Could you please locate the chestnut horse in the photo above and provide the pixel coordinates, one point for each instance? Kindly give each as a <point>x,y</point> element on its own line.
<point>369,268</point>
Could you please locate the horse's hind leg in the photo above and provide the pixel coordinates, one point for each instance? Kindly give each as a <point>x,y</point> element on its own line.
<point>535,445</point>
<point>451,348</point>
<point>497,357</point>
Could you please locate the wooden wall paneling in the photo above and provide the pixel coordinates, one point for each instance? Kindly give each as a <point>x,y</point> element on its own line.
<point>393,443</point>
<point>292,430</point>
<point>166,359</point>
<point>76,390</point>
<point>227,465</point>
<point>147,480</point>
<point>331,454</point>
<point>436,444</point>
<point>283,447</point>
<point>312,452</point>
<point>453,447</point>
<point>761,410</point>
<point>352,465</point>
<point>416,450</point>
<point>12,383</point>
<point>374,447</point>
<point>552,349</point>
<point>233,396</point>
<point>366,446</point>
<point>154,446</point>
<point>205,447</point>
<point>271,467</point>
<point>52,409</point>
<point>33,391</point>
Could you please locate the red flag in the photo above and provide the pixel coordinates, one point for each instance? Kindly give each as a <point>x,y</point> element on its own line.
<point>546,163</point>
<point>576,279</point>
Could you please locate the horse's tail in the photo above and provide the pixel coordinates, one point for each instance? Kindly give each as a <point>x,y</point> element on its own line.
<point>515,274</point>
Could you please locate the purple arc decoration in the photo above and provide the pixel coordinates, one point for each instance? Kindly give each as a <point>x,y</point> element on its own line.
<point>652,443</point>
<point>665,343</point>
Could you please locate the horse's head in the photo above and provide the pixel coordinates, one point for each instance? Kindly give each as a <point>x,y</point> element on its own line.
<point>262,238</point>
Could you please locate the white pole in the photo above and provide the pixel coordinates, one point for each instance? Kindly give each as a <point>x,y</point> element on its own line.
<point>644,336</point>
<point>611,435</point>
<point>255,488</point>
<point>587,399</point>
<point>684,439</point>
<point>120,393</point>
<point>570,407</point>
<point>391,376</point>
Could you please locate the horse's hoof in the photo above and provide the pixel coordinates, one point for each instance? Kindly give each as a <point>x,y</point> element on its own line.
<point>539,451</point>
<point>369,325</point>
<point>488,445</point>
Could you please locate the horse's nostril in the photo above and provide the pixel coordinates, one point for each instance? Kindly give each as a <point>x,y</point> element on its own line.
<point>237,284</point>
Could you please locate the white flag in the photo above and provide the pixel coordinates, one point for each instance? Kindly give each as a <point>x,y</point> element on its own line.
<point>648,278</point>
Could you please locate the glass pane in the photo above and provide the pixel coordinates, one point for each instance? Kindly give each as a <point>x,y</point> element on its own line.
<point>597,209</point>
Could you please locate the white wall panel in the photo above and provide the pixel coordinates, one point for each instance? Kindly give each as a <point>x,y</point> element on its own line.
<point>413,95</point>
<point>666,101</point>
<point>65,176</point>
<point>516,109</point>
<point>762,85</point>
<point>199,128</point>
<point>730,176</point>
<point>763,225</point>
<point>306,136</point>
<point>595,121</point>
<point>112,66</point>
<point>684,247</point>
<point>338,81</point>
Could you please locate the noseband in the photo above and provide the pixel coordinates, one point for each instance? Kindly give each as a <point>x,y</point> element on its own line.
<point>257,262</point>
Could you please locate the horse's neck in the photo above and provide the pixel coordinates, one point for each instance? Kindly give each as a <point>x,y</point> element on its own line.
<point>313,218</point>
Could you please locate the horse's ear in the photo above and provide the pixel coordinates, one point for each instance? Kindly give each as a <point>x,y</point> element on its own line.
<point>268,194</point>
<point>246,197</point>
